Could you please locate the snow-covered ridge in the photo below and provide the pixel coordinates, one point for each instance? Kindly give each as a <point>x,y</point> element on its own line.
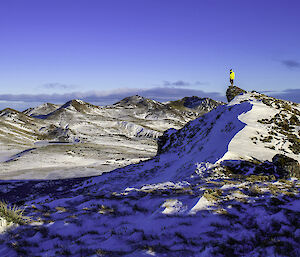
<point>260,139</point>
<point>244,129</point>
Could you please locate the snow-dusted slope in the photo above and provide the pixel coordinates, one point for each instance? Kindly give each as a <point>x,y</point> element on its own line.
<point>18,129</point>
<point>43,109</point>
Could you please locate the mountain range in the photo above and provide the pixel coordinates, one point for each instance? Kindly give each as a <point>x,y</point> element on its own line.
<point>82,138</point>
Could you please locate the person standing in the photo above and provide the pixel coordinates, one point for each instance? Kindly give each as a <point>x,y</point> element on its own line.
<point>232,75</point>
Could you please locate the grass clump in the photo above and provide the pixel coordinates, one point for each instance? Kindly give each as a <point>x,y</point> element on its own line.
<point>256,190</point>
<point>213,194</point>
<point>60,209</point>
<point>260,178</point>
<point>105,210</point>
<point>13,214</point>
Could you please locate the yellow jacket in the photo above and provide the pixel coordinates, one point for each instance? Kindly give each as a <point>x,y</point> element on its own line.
<point>232,75</point>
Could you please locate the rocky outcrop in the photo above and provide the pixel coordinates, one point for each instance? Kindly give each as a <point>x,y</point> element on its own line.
<point>285,166</point>
<point>233,91</point>
<point>281,166</point>
<point>164,140</point>
<point>55,133</point>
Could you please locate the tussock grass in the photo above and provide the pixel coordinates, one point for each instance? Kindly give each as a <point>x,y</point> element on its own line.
<point>213,194</point>
<point>60,209</point>
<point>13,214</point>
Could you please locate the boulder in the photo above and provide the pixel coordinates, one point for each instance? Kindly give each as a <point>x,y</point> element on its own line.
<point>4,225</point>
<point>285,166</point>
<point>233,91</point>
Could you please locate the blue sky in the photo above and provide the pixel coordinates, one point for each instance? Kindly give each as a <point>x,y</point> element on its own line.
<point>110,49</point>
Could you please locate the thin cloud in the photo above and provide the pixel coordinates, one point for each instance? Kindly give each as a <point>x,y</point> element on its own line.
<point>166,93</point>
<point>199,83</point>
<point>292,95</point>
<point>57,86</point>
<point>178,83</point>
<point>291,64</point>
<point>182,83</point>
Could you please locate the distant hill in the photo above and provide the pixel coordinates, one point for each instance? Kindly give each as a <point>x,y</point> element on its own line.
<point>200,105</point>
<point>43,109</point>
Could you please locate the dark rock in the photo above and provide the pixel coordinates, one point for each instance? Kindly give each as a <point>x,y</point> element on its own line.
<point>285,166</point>
<point>265,168</point>
<point>275,201</point>
<point>164,140</point>
<point>233,91</point>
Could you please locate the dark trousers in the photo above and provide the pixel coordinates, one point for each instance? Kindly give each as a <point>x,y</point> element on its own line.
<point>231,82</point>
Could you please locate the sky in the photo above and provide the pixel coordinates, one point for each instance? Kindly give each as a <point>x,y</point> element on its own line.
<point>103,50</point>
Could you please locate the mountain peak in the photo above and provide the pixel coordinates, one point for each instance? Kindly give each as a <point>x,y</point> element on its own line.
<point>136,100</point>
<point>78,105</point>
<point>73,102</point>
<point>9,112</point>
<point>13,114</point>
<point>43,109</point>
<point>196,103</point>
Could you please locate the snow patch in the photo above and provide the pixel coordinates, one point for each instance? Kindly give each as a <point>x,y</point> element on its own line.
<point>173,206</point>
<point>202,204</point>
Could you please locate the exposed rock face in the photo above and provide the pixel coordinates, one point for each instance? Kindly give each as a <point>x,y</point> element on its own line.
<point>286,166</point>
<point>233,91</point>
<point>55,133</point>
<point>162,140</point>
